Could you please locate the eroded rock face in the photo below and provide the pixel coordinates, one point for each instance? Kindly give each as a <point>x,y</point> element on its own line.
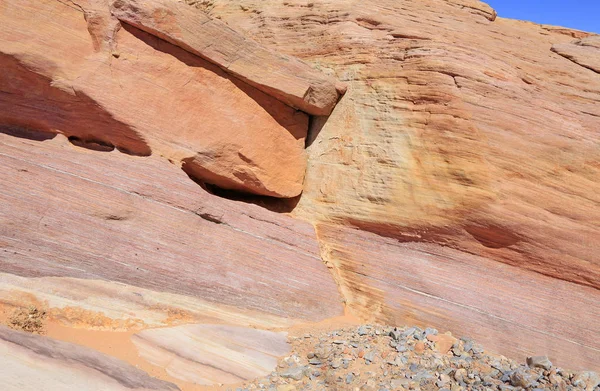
<point>455,184</point>
<point>510,310</point>
<point>585,52</point>
<point>108,86</point>
<point>456,129</point>
<point>88,215</point>
<point>283,77</point>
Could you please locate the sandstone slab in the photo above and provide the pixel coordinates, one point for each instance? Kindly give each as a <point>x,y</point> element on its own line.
<point>108,87</point>
<point>212,354</point>
<point>31,362</point>
<point>283,77</point>
<point>585,52</point>
<point>69,212</point>
<point>119,307</point>
<point>511,311</point>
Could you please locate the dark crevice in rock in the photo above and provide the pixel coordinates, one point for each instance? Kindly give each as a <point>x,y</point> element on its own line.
<point>315,125</point>
<point>94,145</point>
<point>493,236</point>
<point>274,204</point>
<point>26,133</point>
<point>210,217</point>
<point>279,205</point>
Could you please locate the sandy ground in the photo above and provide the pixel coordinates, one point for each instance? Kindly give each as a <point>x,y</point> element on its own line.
<point>119,344</point>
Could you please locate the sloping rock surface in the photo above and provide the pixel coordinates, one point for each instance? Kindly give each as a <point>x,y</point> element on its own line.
<point>69,212</point>
<point>585,52</point>
<point>211,354</point>
<point>512,311</point>
<point>31,362</point>
<point>455,130</point>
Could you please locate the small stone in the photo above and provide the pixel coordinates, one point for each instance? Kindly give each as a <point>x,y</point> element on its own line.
<point>401,348</point>
<point>395,334</point>
<point>315,361</point>
<point>587,380</point>
<point>520,378</point>
<point>444,343</point>
<point>363,330</point>
<point>460,375</point>
<point>444,379</point>
<point>419,347</point>
<point>296,373</point>
<point>399,383</point>
<point>468,346</point>
<point>349,378</point>
<point>539,362</point>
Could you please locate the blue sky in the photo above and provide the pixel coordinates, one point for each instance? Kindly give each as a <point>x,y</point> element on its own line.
<point>577,14</point>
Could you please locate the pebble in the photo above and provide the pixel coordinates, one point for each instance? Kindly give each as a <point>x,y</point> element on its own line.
<point>587,380</point>
<point>520,378</point>
<point>395,334</point>
<point>296,373</point>
<point>349,378</point>
<point>370,356</point>
<point>539,362</point>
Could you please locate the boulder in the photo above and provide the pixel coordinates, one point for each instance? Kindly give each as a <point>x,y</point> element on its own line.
<point>109,86</point>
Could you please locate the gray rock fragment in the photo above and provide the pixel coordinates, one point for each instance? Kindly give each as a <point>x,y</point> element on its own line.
<point>539,362</point>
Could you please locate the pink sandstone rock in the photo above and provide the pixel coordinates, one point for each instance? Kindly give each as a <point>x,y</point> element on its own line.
<point>32,362</point>
<point>283,77</point>
<point>455,129</point>
<point>106,86</point>
<point>511,311</point>
<point>585,52</point>
<point>456,183</point>
<point>69,212</point>
<point>212,354</point>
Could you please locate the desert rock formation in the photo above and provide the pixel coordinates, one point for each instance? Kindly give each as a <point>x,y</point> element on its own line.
<point>175,170</point>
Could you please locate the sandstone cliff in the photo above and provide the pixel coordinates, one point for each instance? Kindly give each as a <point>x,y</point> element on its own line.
<point>439,165</point>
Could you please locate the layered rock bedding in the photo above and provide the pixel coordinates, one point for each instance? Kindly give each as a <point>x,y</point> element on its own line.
<point>222,194</point>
